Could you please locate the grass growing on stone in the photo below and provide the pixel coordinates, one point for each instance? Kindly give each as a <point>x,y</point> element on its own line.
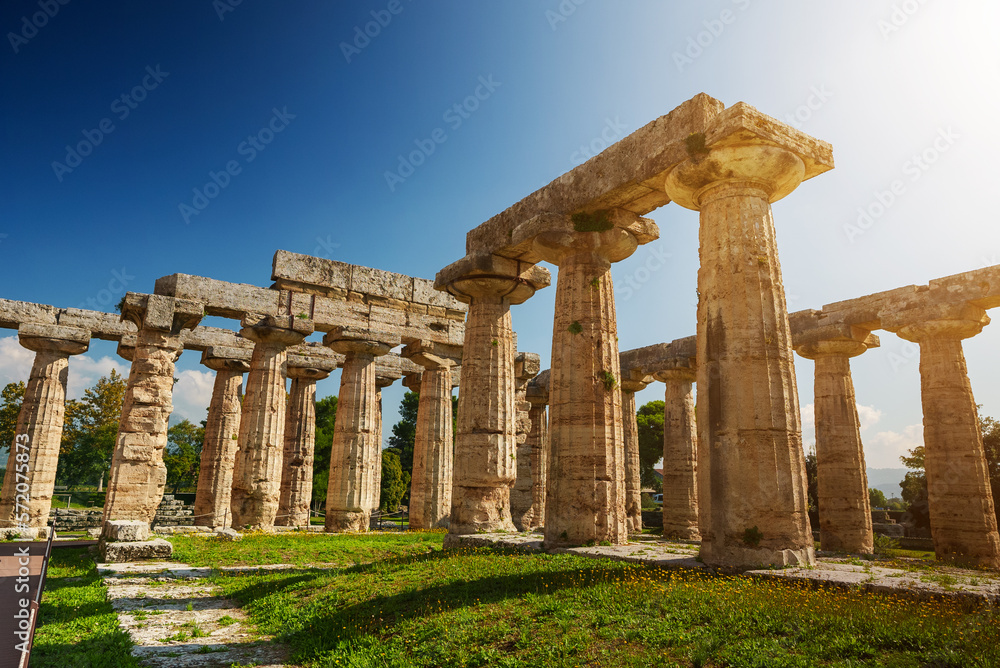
<point>488,608</point>
<point>78,628</point>
<point>302,548</point>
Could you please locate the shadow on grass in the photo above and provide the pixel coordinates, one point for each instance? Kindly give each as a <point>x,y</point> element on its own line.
<point>318,625</point>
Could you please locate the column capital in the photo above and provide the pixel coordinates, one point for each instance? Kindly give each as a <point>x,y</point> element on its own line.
<point>745,147</point>
<point>537,390</point>
<point>126,346</point>
<point>309,367</point>
<point>634,380</point>
<point>431,355</point>
<point>411,381</point>
<point>56,338</point>
<point>161,313</point>
<point>937,321</point>
<point>357,340</point>
<point>611,234</point>
<point>684,371</point>
<point>841,339</point>
<point>225,358</point>
<point>486,275</point>
<point>526,366</point>
<point>284,330</point>
<point>306,372</point>
<point>382,380</point>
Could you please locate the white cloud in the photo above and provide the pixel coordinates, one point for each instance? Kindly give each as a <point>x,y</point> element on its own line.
<point>884,449</point>
<point>15,361</point>
<point>193,394</point>
<point>84,371</point>
<point>808,427</point>
<point>869,416</point>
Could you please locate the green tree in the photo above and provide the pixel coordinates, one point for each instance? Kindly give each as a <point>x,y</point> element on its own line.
<point>90,431</point>
<point>991,446</point>
<point>404,432</point>
<point>649,419</point>
<point>876,498</point>
<point>395,481</point>
<point>182,456</point>
<point>812,481</point>
<point>10,407</point>
<point>326,417</point>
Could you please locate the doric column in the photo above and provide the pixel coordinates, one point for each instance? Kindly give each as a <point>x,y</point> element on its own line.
<point>295,495</point>
<point>537,445</point>
<point>845,518</point>
<point>356,433</point>
<point>586,495</point>
<point>383,379</point>
<point>752,477</point>
<point>257,472</point>
<point>633,380</point>
<point>522,500</point>
<point>218,453</point>
<point>963,523</point>
<point>430,485</point>
<point>680,453</point>
<point>137,470</point>
<point>485,466</point>
<point>34,454</point>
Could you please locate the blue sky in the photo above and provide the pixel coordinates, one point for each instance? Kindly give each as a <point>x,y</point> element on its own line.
<point>325,114</point>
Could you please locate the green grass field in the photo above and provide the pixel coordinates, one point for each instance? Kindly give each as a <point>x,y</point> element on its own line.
<point>397,600</point>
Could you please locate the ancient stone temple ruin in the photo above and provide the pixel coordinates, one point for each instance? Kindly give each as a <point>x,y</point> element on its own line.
<point>553,449</point>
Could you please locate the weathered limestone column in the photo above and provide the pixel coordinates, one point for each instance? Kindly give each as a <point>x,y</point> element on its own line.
<point>633,381</point>
<point>356,433</point>
<point>586,486</point>
<point>537,445</point>
<point>137,470</point>
<point>218,453</point>
<point>485,465</point>
<point>845,518</point>
<point>963,523</point>
<point>34,455</point>
<point>295,495</point>
<point>751,469</point>
<point>680,454</point>
<point>257,472</point>
<point>522,499</point>
<point>382,380</point>
<point>430,486</point>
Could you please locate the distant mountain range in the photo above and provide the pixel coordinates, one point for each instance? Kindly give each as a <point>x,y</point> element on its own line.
<point>887,480</point>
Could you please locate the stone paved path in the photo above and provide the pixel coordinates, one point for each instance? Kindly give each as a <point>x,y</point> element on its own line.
<point>178,619</point>
<point>943,582</point>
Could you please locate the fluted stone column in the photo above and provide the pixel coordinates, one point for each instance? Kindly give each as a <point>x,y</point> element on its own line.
<point>138,474</point>
<point>526,367</point>
<point>845,518</point>
<point>218,453</point>
<point>26,496</point>
<point>632,382</point>
<point>963,522</point>
<point>356,433</point>
<point>537,446</point>
<point>295,495</point>
<point>430,486</point>
<point>680,454</point>
<point>485,456</point>
<point>586,486</point>
<point>381,382</point>
<point>257,472</point>
<point>751,465</point>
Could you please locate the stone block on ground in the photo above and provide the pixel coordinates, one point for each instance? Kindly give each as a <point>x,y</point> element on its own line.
<point>119,552</point>
<point>126,530</point>
<point>229,535</point>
